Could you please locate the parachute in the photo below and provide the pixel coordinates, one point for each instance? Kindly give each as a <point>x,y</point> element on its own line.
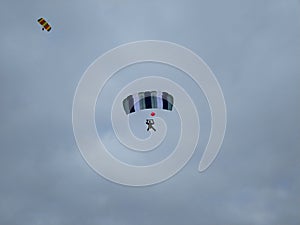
<point>148,100</point>
<point>44,23</point>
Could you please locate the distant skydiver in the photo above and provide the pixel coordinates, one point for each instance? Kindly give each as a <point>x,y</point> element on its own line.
<point>46,26</point>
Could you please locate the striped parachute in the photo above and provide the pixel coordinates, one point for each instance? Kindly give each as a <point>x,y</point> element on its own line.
<point>44,23</point>
<point>148,100</point>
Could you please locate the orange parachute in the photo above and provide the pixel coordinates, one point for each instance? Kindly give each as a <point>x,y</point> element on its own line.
<point>45,25</point>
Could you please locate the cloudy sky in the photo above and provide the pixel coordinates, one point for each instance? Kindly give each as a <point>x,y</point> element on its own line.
<point>253,48</point>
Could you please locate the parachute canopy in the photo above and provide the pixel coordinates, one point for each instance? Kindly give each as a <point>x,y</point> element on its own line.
<point>44,23</point>
<point>148,100</point>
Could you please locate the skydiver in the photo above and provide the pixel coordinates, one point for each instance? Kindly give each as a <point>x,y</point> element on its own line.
<point>150,122</point>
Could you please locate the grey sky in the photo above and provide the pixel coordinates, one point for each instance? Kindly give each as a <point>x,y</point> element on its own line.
<point>253,47</point>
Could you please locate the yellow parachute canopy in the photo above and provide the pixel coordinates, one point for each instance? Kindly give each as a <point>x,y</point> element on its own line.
<point>44,23</point>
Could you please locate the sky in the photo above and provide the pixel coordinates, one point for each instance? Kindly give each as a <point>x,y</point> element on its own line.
<point>253,48</point>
